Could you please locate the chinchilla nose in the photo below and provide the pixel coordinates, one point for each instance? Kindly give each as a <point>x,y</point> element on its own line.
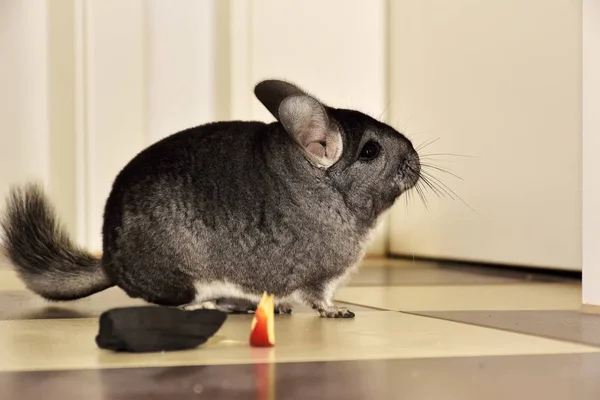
<point>410,164</point>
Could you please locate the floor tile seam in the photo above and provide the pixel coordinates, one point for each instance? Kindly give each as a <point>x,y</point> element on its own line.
<point>104,367</point>
<point>424,314</point>
<point>516,283</point>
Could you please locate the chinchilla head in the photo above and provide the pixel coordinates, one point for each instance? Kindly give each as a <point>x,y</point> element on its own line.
<point>368,162</point>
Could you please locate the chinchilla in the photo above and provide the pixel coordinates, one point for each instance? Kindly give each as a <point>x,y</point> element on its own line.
<point>228,210</point>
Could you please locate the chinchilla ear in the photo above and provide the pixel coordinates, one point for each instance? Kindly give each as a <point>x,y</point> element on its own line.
<point>305,119</point>
<point>272,92</point>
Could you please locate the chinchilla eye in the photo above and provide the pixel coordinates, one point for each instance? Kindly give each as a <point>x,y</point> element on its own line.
<point>369,151</point>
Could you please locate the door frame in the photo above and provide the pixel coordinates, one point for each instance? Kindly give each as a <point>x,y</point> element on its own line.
<point>590,145</point>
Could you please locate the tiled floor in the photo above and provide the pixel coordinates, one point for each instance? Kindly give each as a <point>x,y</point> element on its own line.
<point>422,330</point>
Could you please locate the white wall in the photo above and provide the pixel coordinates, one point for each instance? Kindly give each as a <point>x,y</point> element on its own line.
<point>591,144</point>
<point>181,51</point>
<point>36,101</point>
<point>501,81</point>
<point>63,187</point>
<point>342,63</point>
<point>71,101</point>
<point>24,144</point>
<point>163,82</point>
<point>114,96</point>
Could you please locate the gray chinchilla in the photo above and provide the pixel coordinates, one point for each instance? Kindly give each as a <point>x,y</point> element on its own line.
<point>229,210</point>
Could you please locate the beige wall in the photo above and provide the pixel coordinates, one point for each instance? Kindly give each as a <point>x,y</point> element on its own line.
<point>114,99</point>
<point>499,81</point>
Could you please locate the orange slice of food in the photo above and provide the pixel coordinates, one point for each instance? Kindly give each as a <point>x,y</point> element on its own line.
<point>262,333</point>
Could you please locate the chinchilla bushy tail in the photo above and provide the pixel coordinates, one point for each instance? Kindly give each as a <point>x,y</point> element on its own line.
<point>41,251</point>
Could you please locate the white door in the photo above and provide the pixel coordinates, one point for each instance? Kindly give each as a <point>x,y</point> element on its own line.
<point>499,81</point>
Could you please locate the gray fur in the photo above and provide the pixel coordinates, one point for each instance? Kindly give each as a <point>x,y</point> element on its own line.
<point>230,210</point>
<point>41,251</point>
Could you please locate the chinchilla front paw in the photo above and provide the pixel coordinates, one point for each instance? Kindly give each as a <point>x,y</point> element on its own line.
<point>335,312</point>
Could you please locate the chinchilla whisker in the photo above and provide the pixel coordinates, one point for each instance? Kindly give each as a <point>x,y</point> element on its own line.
<point>446,155</point>
<point>385,109</point>
<point>423,199</point>
<point>442,184</point>
<point>437,184</point>
<point>441,170</point>
<point>439,161</point>
<point>427,143</point>
<point>435,190</point>
<point>424,189</point>
<point>430,184</point>
<point>404,126</point>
